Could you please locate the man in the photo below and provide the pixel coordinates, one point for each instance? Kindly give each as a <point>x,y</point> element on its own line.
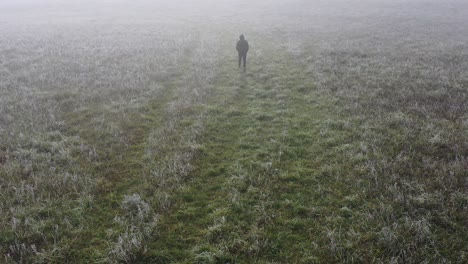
<point>242,47</point>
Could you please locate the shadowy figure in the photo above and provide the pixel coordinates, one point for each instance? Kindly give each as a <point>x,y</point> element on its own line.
<point>242,48</point>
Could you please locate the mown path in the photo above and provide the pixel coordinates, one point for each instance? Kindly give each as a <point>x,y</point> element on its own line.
<point>269,181</point>
<point>120,168</point>
<point>124,164</point>
<point>268,185</point>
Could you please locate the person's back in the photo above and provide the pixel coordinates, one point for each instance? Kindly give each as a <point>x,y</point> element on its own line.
<point>242,48</point>
<point>242,45</point>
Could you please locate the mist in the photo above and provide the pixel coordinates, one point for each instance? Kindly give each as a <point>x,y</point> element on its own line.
<point>130,132</point>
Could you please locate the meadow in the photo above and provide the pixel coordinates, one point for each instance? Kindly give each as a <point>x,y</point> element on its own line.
<point>128,135</point>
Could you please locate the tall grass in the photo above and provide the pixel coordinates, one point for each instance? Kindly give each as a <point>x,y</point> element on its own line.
<point>74,77</point>
<point>402,80</point>
<point>62,86</point>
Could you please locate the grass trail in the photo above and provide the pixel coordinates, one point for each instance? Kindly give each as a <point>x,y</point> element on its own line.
<point>120,167</point>
<point>267,181</point>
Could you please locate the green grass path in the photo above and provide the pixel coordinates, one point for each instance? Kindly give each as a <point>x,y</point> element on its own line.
<point>119,166</point>
<point>266,187</point>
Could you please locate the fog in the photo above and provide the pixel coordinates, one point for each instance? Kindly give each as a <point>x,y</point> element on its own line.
<point>87,87</point>
<point>447,18</point>
<point>415,26</point>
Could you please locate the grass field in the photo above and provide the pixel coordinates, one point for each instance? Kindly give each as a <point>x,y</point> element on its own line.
<point>128,135</point>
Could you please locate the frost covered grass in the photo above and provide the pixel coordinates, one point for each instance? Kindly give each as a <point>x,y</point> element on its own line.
<point>72,92</point>
<point>351,148</point>
<point>402,86</point>
<point>127,134</point>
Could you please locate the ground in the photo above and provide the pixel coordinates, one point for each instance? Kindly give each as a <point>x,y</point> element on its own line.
<point>140,141</point>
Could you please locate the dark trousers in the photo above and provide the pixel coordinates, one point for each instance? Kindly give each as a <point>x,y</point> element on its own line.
<point>242,57</point>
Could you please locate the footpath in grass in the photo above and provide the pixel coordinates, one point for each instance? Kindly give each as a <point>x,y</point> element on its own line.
<point>268,185</point>
<point>120,167</point>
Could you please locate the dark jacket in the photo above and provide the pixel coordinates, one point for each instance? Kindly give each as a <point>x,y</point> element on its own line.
<point>242,46</point>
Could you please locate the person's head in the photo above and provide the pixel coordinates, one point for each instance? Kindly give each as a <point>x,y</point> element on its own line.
<point>242,37</point>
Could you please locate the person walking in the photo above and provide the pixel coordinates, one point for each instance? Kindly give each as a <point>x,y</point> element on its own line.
<point>242,48</point>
